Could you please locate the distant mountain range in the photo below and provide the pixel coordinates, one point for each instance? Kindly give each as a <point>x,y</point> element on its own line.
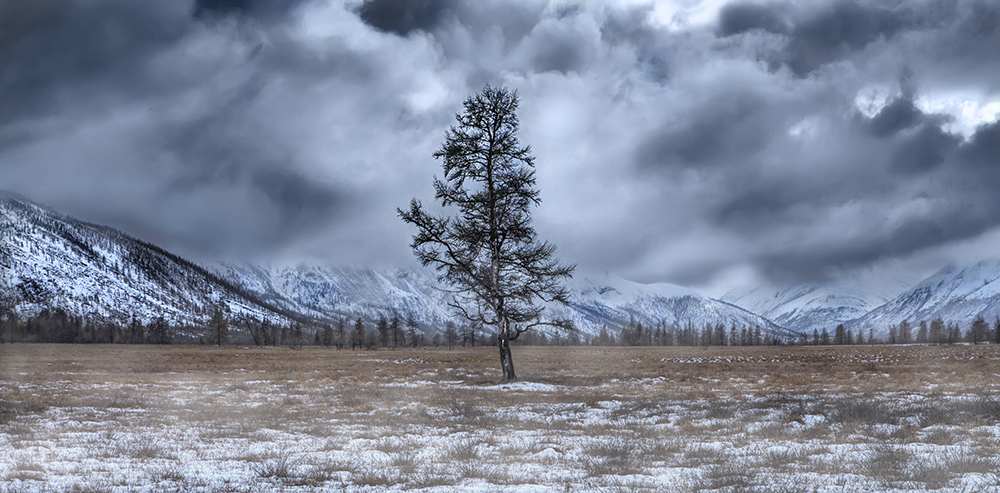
<point>956,293</point>
<point>50,260</point>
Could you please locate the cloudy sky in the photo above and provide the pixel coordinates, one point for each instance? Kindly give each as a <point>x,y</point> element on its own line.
<point>706,143</point>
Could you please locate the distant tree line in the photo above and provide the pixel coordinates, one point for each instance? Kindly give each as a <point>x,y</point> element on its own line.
<point>687,334</point>
<point>59,327</point>
<point>393,330</point>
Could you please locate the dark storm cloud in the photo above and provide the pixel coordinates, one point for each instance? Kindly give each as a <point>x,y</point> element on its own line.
<point>896,116</point>
<point>301,202</point>
<point>836,30</point>
<point>942,171</point>
<point>404,16</point>
<point>923,150</point>
<point>983,149</point>
<point>96,46</point>
<point>558,50</point>
<point>675,142</point>
<point>259,9</point>
<point>196,138</point>
<point>738,18</point>
<point>729,126</point>
<point>820,33</point>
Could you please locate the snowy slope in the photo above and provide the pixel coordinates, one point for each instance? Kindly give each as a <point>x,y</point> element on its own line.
<point>956,293</point>
<point>615,301</point>
<point>344,291</point>
<point>608,301</point>
<point>50,261</point>
<point>809,307</point>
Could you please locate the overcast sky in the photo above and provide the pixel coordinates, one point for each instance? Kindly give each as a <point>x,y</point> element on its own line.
<point>708,143</point>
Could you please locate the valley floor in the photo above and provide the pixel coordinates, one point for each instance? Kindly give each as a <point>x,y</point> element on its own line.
<point>195,418</point>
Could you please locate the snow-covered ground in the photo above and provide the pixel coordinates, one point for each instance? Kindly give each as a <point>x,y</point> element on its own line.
<point>144,418</point>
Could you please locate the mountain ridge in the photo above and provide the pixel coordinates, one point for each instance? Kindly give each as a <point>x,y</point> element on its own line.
<point>51,260</point>
<point>54,261</point>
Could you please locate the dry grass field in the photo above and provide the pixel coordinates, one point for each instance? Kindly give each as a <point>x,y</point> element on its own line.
<point>191,418</point>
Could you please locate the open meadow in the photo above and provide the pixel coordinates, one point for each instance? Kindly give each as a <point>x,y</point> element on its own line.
<point>196,418</point>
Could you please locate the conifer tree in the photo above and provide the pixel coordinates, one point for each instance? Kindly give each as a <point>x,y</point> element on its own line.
<point>977,332</point>
<point>383,330</point>
<point>501,275</point>
<point>219,327</point>
<point>905,332</point>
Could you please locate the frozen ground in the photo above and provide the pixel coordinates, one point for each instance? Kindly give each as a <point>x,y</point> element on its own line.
<point>145,418</point>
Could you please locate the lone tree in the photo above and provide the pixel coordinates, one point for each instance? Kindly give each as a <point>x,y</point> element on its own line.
<point>218,327</point>
<point>489,255</point>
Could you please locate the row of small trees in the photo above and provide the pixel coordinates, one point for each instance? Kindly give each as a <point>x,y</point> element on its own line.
<point>937,331</point>
<point>59,327</point>
<point>391,330</point>
<point>636,334</point>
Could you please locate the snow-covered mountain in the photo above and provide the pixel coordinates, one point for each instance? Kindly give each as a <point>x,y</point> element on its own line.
<point>807,307</point>
<point>616,301</point>
<point>957,293</point>
<point>52,261</point>
<point>596,302</point>
<point>49,260</point>
<point>338,292</point>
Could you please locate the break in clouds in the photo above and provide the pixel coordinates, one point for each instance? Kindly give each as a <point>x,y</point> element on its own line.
<point>705,144</point>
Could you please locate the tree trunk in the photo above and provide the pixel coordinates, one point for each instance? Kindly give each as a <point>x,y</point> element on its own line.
<point>506,361</point>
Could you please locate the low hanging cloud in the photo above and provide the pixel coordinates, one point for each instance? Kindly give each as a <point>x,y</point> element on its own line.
<point>787,141</point>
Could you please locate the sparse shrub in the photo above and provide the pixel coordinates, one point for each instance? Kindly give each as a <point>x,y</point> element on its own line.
<point>491,473</point>
<point>613,456</point>
<point>11,408</point>
<point>728,476</point>
<point>172,473</point>
<point>120,399</point>
<point>428,479</point>
<point>941,469</point>
<point>777,458</point>
<point>718,411</point>
<point>279,467</point>
<point>638,409</point>
<point>26,470</point>
<point>940,436</point>
<point>985,408</point>
<point>390,445</point>
<point>663,449</point>
<point>139,448</point>
<point>933,414</point>
<point>854,412</point>
<point>934,475</point>
<point>465,411</point>
<point>701,455</point>
<point>967,461</point>
<point>406,462</point>
<point>886,462</point>
<point>464,450</point>
<point>372,478</point>
<point>771,431</point>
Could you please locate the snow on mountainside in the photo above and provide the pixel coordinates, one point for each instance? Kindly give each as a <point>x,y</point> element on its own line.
<point>52,261</point>
<point>615,301</point>
<point>956,293</point>
<point>49,261</point>
<point>610,301</point>
<point>808,307</point>
<point>344,291</point>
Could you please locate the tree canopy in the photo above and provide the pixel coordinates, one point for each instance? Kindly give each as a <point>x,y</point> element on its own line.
<point>489,255</point>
